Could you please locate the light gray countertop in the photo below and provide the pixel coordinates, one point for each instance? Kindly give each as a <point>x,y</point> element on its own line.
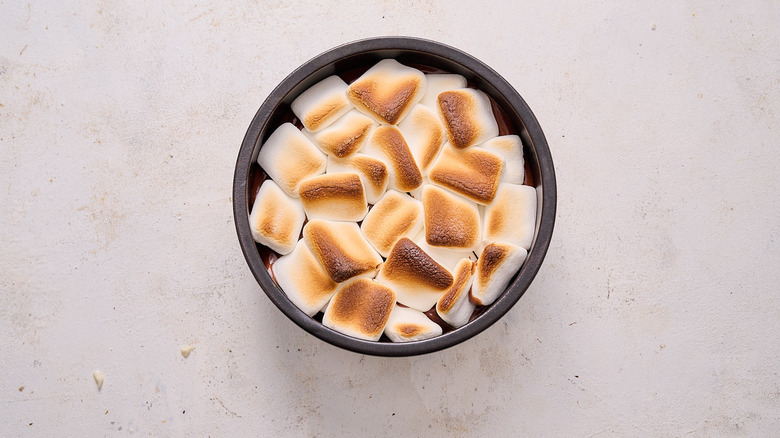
<point>655,313</point>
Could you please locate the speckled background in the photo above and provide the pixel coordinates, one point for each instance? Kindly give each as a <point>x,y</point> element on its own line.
<point>655,314</point>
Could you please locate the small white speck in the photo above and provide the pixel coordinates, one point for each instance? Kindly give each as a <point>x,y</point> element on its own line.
<point>652,27</point>
<point>98,379</point>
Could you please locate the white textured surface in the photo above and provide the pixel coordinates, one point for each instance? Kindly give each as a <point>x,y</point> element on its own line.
<point>655,314</point>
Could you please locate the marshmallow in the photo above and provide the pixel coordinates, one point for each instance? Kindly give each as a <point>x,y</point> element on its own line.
<point>497,264</point>
<point>322,103</point>
<point>341,249</point>
<point>437,83</point>
<point>388,144</point>
<point>373,173</point>
<point>418,281</point>
<point>424,133</point>
<point>276,218</point>
<point>451,221</point>
<point>446,257</point>
<point>387,91</point>
<point>360,308</point>
<point>468,117</point>
<point>407,325</point>
<point>396,215</point>
<point>334,196</point>
<point>474,173</point>
<point>344,137</point>
<point>511,217</point>
<point>303,279</point>
<point>510,149</point>
<point>454,306</point>
<point>417,193</point>
<point>288,157</point>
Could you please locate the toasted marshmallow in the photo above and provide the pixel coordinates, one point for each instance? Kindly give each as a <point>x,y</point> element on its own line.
<point>497,264</point>
<point>474,173</point>
<point>510,149</point>
<point>438,83</point>
<point>425,135</point>
<point>303,279</point>
<point>334,196</point>
<point>344,137</point>
<point>451,221</point>
<point>341,249</point>
<point>387,91</point>
<point>372,171</point>
<point>360,308</point>
<point>276,218</point>
<point>407,325</point>
<point>388,144</point>
<point>288,157</point>
<point>454,306</point>
<point>446,257</point>
<point>396,215</point>
<point>468,117</point>
<point>511,218</point>
<point>417,193</point>
<point>418,281</point>
<point>322,103</point>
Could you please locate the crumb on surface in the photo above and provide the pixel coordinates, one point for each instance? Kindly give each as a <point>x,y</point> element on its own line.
<point>186,350</point>
<point>98,379</point>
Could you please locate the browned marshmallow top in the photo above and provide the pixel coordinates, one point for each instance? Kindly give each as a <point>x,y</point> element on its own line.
<point>409,264</point>
<point>474,173</point>
<point>334,196</point>
<point>396,215</point>
<point>387,91</point>
<point>490,259</point>
<point>346,136</point>
<point>467,117</point>
<point>360,308</point>
<point>388,143</point>
<point>341,249</point>
<point>425,135</point>
<point>450,220</point>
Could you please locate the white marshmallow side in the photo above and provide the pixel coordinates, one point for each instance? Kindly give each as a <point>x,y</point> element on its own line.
<point>396,215</point>
<point>510,149</point>
<point>511,217</point>
<point>408,325</point>
<point>497,264</point>
<point>303,279</point>
<point>438,83</point>
<point>322,103</point>
<point>276,218</point>
<point>425,135</point>
<point>288,157</point>
<point>454,307</point>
